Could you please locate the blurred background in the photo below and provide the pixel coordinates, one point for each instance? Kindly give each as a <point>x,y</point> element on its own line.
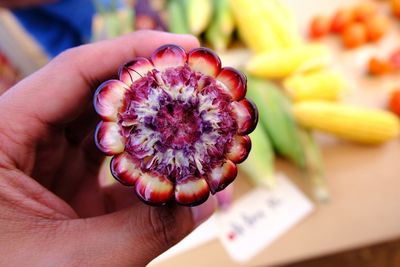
<point>325,77</point>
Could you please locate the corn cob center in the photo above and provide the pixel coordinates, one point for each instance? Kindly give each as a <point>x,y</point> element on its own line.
<point>177,122</point>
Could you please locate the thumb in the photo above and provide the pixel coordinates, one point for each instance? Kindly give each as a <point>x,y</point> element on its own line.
<point>135,236</point>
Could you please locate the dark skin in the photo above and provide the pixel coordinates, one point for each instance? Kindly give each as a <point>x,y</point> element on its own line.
<point>52,209</point>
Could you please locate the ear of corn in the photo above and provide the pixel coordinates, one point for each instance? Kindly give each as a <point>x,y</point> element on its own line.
<point>314,65</point>
<point>254,30</point>
<point>274,114</point>
<point>199,13</point>
<point>282,27</point>
<point>219,33</point>
<point>177,19</point>
<point>319,85</point>
<point>259,166</point>
<point>287,14</point>
<point>284,62</point>
<point>359,124</point>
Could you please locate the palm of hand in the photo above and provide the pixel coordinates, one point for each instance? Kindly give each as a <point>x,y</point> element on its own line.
<point>49,169</point>
<point>65,160</point>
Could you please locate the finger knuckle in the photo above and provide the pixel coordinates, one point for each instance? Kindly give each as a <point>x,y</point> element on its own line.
<point>66,54</point>
<point>71,53</point>
<point>144,32</point>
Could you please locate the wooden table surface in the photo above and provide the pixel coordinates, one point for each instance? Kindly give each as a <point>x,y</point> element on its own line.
<point>385,254</point>
<point>365,187</point>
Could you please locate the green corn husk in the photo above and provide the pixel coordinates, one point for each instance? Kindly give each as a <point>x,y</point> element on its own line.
<point>177,21</point>
<point>314,168</point>
<point>288,139</point>
<point>274,113</point>
<point>219,33</point>
<point>259,166</point>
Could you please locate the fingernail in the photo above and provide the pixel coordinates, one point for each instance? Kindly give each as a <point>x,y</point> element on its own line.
<point>225,198</point>
<point>204,211</point>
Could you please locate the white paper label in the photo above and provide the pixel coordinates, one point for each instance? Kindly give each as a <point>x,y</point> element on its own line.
<point>260,217</point>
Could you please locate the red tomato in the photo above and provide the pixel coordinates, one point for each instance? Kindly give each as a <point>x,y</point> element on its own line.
<point>354,35</point>
<point>377,67</point>
<point>364,10</point>
<point>395,4</point>
<point>377,26</point>
<point>395,59</point>
<point>319,27</point>
<point>394,103</point>
<point>341,19</point>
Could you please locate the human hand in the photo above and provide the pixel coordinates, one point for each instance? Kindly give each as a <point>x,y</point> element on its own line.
<point>52,208</point>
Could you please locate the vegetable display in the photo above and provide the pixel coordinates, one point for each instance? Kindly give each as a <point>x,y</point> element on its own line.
<point>292,80</point>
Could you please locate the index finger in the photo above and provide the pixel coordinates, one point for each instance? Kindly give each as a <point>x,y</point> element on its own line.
<point>58,92</point>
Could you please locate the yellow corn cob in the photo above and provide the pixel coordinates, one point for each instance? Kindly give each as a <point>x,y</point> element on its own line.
<point>284,10</point>
<point>359,124</point>
<point>314,64</point>
<point>281,63</point>
<point>320,85</point>
<point>254,30</point>
<point>199,13</point>
<point>283,29</point>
